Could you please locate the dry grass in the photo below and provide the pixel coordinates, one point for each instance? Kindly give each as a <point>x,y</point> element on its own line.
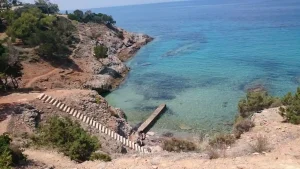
<point>213,153</point>
<point>178,145</point>
<point>222,140</point>
<point>242,126</point>
<point>261,144</point>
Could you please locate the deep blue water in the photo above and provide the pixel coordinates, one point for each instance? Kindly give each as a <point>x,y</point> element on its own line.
<point>205,55</point>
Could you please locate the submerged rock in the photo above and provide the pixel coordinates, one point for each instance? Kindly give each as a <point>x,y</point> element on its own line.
<point>184,127</point>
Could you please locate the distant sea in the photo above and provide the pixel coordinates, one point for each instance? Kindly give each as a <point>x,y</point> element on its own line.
<point>205,56</point>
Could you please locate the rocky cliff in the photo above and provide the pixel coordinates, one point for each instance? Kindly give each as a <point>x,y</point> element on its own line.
<point>82,69</point>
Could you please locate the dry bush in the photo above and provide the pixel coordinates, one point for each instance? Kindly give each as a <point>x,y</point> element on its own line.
<point>242,126</point>
<point>178,145</point>
<point>222,140</point>
<point>261,144</point>
<point>212,153</point>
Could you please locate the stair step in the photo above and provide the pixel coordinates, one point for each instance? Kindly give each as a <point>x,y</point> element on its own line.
<point>55,103</point>
<point>49,98</point>
<point>62,106</point>
<point>41,96</point>
<point>91,122</point>
<point>58,104</point>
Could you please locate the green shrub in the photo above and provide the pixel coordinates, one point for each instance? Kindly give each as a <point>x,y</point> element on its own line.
<point>242,126</point>
<point>9,155</point>
<point>89,16</point>
<point>100,51</point>
<point>73,17</point>
<point>291,111</point>
<point>178,145</point>
<point>120,35</point>
<point>254,101</point>
<point>68,137</point>
<point>287,99</point>
<point>221,140</point>
<point>100,156</point>
<point>49,32</point>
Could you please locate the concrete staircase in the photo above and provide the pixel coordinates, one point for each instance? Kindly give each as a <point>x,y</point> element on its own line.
<point>77,114</point>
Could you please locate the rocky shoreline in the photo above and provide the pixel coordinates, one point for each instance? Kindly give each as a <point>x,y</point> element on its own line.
<point>82,70</point>
<point>80,80</point>
<point>108,73</point>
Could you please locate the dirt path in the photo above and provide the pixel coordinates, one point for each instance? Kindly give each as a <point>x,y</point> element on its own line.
<point>27,97</point>
<point>284,157</point>
<point>4,125</point>
<point>283,139</point>
<point>33,80</point>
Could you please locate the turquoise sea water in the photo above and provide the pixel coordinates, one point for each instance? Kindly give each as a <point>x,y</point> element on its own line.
<point>205,55</point>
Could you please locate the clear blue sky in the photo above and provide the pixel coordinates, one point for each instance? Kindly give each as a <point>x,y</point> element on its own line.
<point>83,4</point>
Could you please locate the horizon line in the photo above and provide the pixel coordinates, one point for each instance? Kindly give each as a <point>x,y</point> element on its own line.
<point>115,6</point>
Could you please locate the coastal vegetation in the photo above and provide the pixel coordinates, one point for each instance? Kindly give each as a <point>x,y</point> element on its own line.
<point>10,67</point>
<point>291,109</point>
<point>50,35</point>
<point>257,101</point>
<point>178,145</point>
<point>10,155</point>
<point>69,138</point>
<point>89,16</point>
<point>253,102</point>
<point>7,4</point>
<point>100,51</point>
<point>222,140</point>
<point>241,126</point>
<point>30,26</point>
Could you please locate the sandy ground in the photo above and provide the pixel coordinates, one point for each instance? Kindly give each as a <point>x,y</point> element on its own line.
<point>4,124</point>
<point>283,138</point>
<point>285,157</point>
<point>27,97</point>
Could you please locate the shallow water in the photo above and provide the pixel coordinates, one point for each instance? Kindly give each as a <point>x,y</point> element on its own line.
<point>205,56</point>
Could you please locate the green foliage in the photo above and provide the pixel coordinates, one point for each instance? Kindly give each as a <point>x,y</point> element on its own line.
<point>98,101</point>
<point>120,35</point>
<point>51,45</point>
<point>53,34</point>
<point>25,25</point>
<point>287,99</point>
<point>88,16</point>
<point>178,145</point>
<point>68,137</point>
<point>9,155</point>
<point>9,16</point>
<point>291,111</point>
<point>254,101</point>
<point>100,51</point>
<point>73,17</point>
<point>78,13</point>
<point>48,21</point>
<point>100,156</point>
<point>46,6</point>
<point>221,140</point>
<point>10,67</point>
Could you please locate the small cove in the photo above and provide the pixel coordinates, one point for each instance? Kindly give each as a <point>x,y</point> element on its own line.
<point>204,57</point>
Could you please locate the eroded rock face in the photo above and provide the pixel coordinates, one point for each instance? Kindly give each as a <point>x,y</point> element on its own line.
<point>121,45</point>
<point>28,114</point>
<point>95,106</point>
<point>100,83</point>
<point>92,105</point>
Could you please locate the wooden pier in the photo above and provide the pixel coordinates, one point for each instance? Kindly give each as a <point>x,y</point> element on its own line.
<point>152,118</point>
